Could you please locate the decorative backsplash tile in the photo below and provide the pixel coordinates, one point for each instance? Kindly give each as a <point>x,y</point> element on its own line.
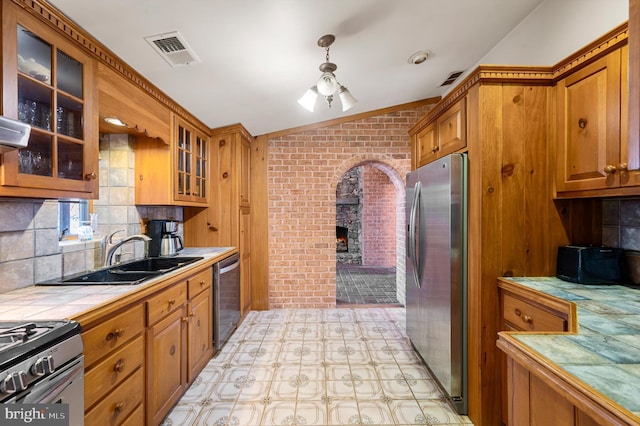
<point>621,223</point>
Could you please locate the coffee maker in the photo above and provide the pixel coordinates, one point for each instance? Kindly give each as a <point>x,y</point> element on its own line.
<point>164,238</point>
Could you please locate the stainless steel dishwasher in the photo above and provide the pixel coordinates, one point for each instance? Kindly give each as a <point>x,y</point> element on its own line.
<point>226,298</point>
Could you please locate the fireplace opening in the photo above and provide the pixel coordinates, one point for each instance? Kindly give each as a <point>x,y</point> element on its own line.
<point>342,239</point>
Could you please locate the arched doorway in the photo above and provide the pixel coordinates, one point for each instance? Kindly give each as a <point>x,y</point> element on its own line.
<point>370,221</point>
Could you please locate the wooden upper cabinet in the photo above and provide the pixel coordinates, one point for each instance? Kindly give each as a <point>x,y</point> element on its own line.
<point>176,173</point>
<point>442,136</point>
<point>49,83</point>
<point>592,127</point>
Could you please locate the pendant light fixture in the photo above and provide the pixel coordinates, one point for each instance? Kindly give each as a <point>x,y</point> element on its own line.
<point>327,85</point>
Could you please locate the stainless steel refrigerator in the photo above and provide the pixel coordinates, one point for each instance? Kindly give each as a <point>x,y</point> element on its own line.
<point>436,268</point>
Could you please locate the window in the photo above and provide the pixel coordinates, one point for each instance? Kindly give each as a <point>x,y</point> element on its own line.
<point>71,214</point>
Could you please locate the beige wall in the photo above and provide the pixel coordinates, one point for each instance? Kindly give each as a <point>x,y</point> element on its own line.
<point>304,169</point>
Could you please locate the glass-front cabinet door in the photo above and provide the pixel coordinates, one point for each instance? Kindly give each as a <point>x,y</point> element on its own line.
<point>192,163</point>
<point>49,84</point>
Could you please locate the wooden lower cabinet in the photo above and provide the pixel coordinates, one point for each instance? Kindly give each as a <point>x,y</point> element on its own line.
<point>114,367</point>
<point>534,402</point>
<point>140,359</point>
<point>523,309</point>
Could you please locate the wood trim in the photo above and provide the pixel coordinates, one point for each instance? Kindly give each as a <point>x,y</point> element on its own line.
<point>260,223</point>
<point>585,398</point>
<point>545,75</point>
<point>350,118</point>
<point>634,85</point>
<point>65,26</point>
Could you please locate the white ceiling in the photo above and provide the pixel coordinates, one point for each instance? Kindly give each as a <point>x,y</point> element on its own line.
<point>258,57</point>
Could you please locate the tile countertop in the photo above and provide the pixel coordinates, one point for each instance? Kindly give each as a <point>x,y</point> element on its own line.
<point>58,302</point>
<point>605,352</point>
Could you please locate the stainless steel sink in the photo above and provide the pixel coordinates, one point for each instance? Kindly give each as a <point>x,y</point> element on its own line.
<point>156,264</point>
<point>109,277</point>
<point>130,273</point>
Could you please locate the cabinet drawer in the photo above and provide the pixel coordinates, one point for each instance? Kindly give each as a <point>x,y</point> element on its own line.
<point>117,405</point>
<point>135,419</point>
<point>199,282</point>
<point>109,373</point>
<point>112,334</point>
<point>527,317</point>
<point>167,301</point>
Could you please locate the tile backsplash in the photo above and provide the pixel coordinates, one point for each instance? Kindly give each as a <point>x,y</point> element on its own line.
<point>621,223</point>
<point>29,248</point>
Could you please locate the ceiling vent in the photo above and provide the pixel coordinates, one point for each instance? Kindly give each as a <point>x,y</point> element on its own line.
<point>451,78</point>
<point>173,48</point>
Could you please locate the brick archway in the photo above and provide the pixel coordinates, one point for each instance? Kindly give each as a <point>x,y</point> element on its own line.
<point>396,173</point>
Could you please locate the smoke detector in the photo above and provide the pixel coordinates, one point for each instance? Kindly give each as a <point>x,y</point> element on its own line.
<point>418,57</point>
<point>173,48</point>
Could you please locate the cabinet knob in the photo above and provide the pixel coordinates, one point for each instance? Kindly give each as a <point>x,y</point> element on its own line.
<point>119,407</point>
<point>623,167</point>
<point>119,366</point>
<point>114,334</point>
<point>202,283</point>
<point>610,169</point>
<point>171,301</point>
<point>90,176</point>
<point>527,319</point>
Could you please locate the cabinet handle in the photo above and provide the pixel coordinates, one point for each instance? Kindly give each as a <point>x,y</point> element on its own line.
<point>90,176</point>
<point>582,123</point>
<point>119,366</point>
<point>623,167</point>
<point>119,407</point>
<point>113,334</point>
<point>202,283</point>
<point>610,168</point>
<point>527,319</point>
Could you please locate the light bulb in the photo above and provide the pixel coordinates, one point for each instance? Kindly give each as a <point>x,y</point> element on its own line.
<point>327,84</point>
<point>308,100</point>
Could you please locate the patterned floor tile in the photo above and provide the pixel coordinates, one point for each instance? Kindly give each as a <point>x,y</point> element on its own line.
<point>316,367</point>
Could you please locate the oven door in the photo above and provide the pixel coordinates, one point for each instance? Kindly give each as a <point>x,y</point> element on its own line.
<point>64,386</point>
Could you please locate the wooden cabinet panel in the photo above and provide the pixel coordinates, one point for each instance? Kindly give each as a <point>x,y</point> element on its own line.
<point>588,107</point>
<point>546,406</point>
<point>522,315</point>
<point>100,379</point>
<point>199,334</point>
<point>119,404</point>
<point>112,334</point>
<point>166,365</point>
<point>445,135</point>
<point>245,261</point>
<point>427,144</point>
<point>169,300</point>
<point>199,282</point>
<point>177,173</point>
<point>452,134</point>
<point>50,83</point>
<point>245,170</point>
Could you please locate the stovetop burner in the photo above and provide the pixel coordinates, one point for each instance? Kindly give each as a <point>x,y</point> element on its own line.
<point>21,339</point>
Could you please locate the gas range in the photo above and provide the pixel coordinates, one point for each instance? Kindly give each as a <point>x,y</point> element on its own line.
<point>41,362</point>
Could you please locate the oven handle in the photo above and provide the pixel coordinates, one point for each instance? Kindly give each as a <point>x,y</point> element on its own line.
<point>47,391</point>
<point>231,267</point>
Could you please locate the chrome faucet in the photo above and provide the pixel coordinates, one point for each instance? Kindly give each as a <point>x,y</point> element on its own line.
<point>110,247</point>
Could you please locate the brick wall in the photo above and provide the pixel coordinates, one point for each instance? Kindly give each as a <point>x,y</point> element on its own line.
<point>378,218</point>
<point>304,169</point>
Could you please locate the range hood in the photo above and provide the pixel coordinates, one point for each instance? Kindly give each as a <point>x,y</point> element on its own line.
<point>14,134</point>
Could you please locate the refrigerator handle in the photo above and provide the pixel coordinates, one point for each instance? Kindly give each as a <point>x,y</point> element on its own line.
<point>413,235</point>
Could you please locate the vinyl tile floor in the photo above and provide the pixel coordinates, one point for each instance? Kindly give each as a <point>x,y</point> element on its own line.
<point>361,285</point>
<point>316,367</point>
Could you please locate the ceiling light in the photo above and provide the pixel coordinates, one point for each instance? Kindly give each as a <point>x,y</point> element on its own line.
<point>327,85</point>
<point>418,57</point>
<point>115,121</point>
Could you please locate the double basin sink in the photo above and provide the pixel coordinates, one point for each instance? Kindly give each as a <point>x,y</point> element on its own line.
<point>129,273</point>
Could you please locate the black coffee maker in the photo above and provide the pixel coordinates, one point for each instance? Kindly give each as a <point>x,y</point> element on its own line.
<point>164,238</point>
